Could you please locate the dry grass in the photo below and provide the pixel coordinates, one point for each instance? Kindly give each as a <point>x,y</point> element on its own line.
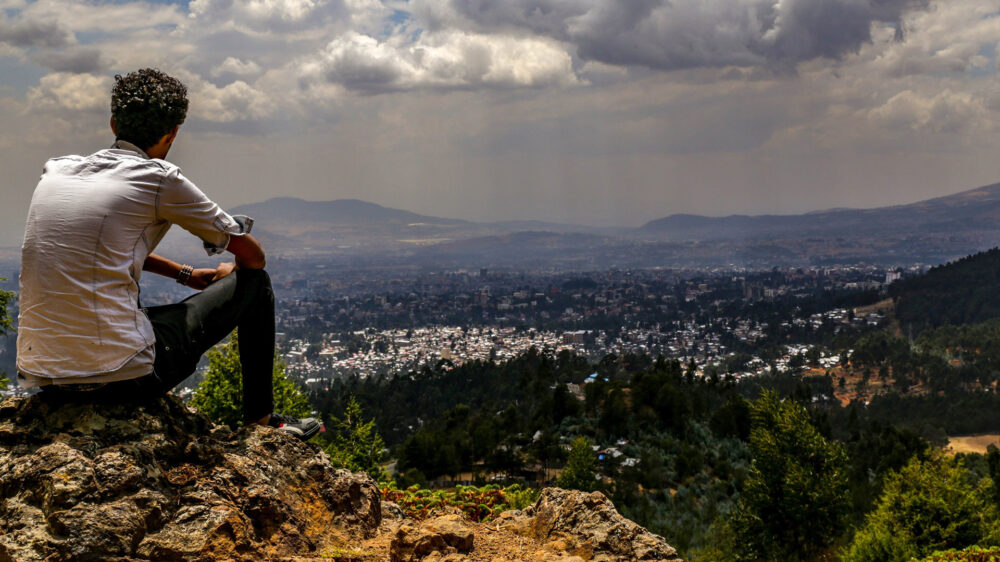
<point>971,443</point>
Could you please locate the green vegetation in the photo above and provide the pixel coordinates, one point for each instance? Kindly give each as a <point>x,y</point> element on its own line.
<point>580,468</point>
<point>478,504</point>
<point>220,393</point>
<point>961,292</point>
<point>797,476</point>
<point>972,554</point>
<point>6,324</point>
<point>354,444</point>
<point>930,505</point>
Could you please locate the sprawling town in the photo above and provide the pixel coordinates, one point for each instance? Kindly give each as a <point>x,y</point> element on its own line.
<point>334,322</point>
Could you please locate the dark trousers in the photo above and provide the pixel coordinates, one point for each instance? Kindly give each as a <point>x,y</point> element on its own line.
<point>186,330</point>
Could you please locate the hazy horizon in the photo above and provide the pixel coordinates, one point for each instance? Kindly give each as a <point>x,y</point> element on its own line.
<point>586,112</point>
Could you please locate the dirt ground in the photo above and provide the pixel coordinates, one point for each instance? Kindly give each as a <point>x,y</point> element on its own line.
<point>492,544</point>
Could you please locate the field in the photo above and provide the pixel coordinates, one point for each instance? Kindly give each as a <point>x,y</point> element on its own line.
<point>971,443</point>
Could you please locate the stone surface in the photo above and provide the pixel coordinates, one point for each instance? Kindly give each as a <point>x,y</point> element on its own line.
<point>433,539</point>
<point>155,481</point>
<point>587,525</point>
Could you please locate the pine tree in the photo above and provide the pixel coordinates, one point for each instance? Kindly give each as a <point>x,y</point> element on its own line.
<point>795,501</point>
<point>220,393</point>
<point>580,467</point>
<point>355,444</point>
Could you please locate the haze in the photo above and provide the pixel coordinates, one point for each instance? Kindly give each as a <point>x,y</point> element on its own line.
<point>589,111</point>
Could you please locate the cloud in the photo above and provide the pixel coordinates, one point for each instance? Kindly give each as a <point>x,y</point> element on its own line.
<point>677,34</point>
<point>34,34</point>
<point>950,38</point>
<point>103,17</point>
<point>236,101</point>
<point>233,65</point>
<point>267,16</point>
<point>444,60</point>
<point>946,112</point>
<point>74,60</point>
<point>63,91</point>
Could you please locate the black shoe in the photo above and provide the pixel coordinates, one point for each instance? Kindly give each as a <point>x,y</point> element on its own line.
<point>303,429</point>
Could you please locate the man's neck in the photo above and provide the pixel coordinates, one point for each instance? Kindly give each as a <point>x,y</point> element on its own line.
<point>126,145</point>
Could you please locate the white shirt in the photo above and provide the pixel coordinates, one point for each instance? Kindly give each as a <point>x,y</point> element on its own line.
<point>92,223</point>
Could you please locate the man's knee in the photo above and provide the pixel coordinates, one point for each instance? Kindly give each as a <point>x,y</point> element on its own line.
<point>256,281</point>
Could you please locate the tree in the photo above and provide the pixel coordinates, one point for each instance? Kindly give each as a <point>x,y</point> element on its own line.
<point>580,467</point>
<point>795,501</point>
<point>355,444</point>
<point>220,393</point>
<point>929,505</point>
<point>5,324</point>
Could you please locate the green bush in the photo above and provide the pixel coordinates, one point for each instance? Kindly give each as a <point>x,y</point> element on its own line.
<point>971,554</point>
<point>220,393</point>
<point>478,504</point>
<point>929,505</point>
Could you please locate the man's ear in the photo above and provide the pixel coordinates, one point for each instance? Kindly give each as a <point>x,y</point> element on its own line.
<point>112,123</point>
<point>172,134</point>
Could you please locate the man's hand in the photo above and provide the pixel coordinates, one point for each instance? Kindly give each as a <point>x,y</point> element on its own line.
<point>223,270</point>
<point>203,277</point>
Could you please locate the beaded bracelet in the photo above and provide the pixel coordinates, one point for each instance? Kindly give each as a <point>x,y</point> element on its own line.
<point>184,275</point>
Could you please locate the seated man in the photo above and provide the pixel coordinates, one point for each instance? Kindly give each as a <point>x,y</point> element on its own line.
<point>91,229</point>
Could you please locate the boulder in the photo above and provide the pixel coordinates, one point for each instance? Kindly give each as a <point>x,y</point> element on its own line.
<point>587,525</point>
<point>156,481</point>
<point>440,538</point>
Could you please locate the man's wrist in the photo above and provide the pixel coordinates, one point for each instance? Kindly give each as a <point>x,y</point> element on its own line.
<point>184,275</point>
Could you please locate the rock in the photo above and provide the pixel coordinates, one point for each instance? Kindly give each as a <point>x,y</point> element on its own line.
<point>447,534</point>
<point>155,481</point>
<point>392,511</point>
<point>453,529</point>
<point>587,525</point>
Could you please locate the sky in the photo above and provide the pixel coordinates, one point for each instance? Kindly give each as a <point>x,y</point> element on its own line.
<point>603,112</point>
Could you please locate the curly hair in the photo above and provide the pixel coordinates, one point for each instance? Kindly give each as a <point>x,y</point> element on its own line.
<point>145,105</point>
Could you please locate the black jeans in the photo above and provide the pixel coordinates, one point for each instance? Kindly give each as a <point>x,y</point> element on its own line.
<point>187,329</point>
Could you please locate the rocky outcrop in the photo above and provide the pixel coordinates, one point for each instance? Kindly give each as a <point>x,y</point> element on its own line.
<point>155,481</point>
<point>586,525</point>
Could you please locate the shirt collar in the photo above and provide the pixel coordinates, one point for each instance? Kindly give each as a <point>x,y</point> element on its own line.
<point>125,145</point>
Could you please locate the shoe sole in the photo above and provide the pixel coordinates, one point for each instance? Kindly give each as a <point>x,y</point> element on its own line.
<point>303,435</point>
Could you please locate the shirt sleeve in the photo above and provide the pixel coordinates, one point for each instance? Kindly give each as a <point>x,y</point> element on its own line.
<point>182,203</point>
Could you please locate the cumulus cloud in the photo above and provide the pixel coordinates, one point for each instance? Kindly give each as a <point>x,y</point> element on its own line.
<point>675,34</point>
<point>950,38</point>
<point>71,92</point>
<point>268,16</point>
<point>946,112</point>
<point>233,65</point>
<point>443,60</point>
<point>74,60</point>
<point>34,34</point>
<point>236,101</point>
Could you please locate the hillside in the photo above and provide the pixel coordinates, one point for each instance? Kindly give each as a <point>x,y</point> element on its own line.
<point>960,292</point>
<point>971,210</point>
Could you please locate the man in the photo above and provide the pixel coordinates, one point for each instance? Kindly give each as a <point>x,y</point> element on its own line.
<point>91,229</point>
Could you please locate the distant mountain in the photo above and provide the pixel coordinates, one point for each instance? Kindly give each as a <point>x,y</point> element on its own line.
<point>976,209</point>
<point>294,210</point>
<point>930,231</point>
